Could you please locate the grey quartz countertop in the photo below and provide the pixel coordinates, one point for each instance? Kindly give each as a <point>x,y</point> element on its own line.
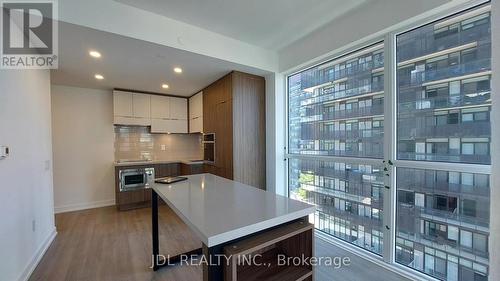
<point>220,210</point>
<point>151,162</point>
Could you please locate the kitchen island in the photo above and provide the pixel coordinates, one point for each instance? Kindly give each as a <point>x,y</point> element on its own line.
<point>236,219</point>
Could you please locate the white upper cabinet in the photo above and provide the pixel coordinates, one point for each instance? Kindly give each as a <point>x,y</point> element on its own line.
<point>169,126</point>
<point>178,108</point>
<point>160,107</point>
<point>196,106</point>
<point>122,104</point>
<point>164,114</point>
<point>196,113</point>
<point>142,106</point>
<point>196,125</point>
<point>131,108</point>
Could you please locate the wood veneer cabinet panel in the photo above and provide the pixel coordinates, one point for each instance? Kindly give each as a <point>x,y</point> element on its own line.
<point>234,109</point>
<point>224,139</point>
<point>191,169</point>
<point>209,120</point>
<point>249,129</point>
<point>293,240</point>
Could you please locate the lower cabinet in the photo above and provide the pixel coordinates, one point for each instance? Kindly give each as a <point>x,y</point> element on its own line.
<point>218,171</point>
<point>211,169</point>
<point>127,200</point>
<point>191,169</point>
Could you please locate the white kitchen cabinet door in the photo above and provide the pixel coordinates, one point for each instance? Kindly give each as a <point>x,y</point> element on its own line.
<point>159,126</point>
<point>169,126</point>
<point>160,107</point>
<point>196,125</point>
<point>178,126</point>
<point>196,106</point>
<point>142,106</point>
<point>123,104</point>
<point>178,108</point>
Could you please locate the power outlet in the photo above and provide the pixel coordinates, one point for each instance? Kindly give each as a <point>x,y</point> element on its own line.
<point>47,165</point>
<point>163,147</point>
<point>33,225</point>
<point>4,152</point>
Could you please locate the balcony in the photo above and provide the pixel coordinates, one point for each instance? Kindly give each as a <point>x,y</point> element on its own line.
<point>321,76</point>
<point>446,217</point>
<point>471,159</point>
<point>427,43</point>
<point>354,219</point>
<point>466,99</point>
<point>363,112</point>
<point>418,79</point>
<point>479,129</point>
<point>409,181</point>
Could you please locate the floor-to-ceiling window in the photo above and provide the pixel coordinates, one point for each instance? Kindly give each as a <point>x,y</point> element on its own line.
<point>336,126</point>
<point>443,115</point>
<point>439,146</point>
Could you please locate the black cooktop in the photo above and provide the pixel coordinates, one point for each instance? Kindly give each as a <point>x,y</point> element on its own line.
<point>169,180</point>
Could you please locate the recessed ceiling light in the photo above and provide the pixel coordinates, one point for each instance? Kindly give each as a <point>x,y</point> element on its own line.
<point>99,77</point>
<point>178,70</point>
<point>164,86</point>
<point>95,54</point>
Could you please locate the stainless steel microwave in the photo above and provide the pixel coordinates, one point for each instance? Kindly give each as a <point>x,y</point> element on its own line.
<point>132,179</point>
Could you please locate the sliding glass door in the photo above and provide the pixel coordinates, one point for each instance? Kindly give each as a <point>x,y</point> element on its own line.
<point>407,181</point>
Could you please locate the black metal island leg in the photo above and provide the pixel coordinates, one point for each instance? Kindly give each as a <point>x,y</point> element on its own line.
<point>158,261</point>
<point>154,223</point>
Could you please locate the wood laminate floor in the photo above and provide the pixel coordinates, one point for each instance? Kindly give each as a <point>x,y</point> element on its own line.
<point>104,244</point>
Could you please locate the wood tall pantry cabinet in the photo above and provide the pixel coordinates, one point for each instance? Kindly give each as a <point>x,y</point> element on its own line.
<point>234,109</point>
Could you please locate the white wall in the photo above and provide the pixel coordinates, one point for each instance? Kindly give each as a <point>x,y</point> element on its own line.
<point>82,141</point>
<point>495,153</point>
<point>367,21</point>
<point>26,195</point>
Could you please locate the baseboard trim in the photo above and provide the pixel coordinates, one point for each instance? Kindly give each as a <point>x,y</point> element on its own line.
<point>83,206</point>
<point>38,256</point>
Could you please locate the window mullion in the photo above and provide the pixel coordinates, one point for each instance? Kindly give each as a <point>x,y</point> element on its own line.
<point>389,146</point>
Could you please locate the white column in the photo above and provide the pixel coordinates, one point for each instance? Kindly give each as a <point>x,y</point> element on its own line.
<point>275,134</point>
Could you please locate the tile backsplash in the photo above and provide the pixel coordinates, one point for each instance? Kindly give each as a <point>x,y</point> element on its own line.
<point>134,142</point>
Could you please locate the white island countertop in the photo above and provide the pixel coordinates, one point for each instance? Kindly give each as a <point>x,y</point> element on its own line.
<point>219,210</point>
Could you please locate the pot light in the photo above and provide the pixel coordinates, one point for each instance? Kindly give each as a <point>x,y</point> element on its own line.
<point>178,70</point>
<point>164,86</point>
<point>99,77</point>
<point>95,54</point>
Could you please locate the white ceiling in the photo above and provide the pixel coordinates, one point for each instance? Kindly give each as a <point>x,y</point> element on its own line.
<point>271,24</point>
<point>133,64</point>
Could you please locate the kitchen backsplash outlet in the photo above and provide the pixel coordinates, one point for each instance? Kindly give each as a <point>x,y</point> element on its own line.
<point>135,142</point>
